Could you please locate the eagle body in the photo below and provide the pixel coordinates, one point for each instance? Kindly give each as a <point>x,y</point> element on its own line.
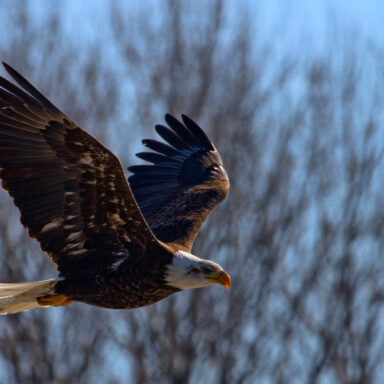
<point>117,243</point>
<point>128,280</point>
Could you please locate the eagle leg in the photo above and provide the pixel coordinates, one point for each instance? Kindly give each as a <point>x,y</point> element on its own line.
<point>54,300</point>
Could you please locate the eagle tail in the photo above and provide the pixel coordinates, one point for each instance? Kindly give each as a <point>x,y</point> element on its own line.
<point>18,297</point>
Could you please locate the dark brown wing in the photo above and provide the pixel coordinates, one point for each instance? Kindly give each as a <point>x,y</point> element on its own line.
<point>184,183</point>
<point>70,189</point>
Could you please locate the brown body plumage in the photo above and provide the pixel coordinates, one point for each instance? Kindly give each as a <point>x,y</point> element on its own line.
<point>129,282</point>
<point>75,200</point>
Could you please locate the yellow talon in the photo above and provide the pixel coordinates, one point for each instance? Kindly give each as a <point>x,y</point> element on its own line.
<point>54,300</point>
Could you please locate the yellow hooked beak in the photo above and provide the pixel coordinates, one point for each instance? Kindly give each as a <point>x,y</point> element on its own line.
<point>220,277</point>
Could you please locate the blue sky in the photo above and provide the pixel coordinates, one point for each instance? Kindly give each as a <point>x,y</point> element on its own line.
<point>307,25</point>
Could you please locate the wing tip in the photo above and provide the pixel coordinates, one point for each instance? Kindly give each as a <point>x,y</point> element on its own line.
<point>158,127</point>
<point>170,119</point>
<point>170,116</point>
<point>8,68</point>
<point>198,132</point>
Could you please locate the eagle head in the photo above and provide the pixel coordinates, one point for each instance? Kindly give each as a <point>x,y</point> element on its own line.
<point>187,271</point>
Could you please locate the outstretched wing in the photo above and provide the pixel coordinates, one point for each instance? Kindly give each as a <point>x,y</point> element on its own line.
<point>184,183</point>
<point>70,189</point>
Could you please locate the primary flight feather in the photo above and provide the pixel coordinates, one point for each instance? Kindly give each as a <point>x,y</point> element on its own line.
<point>115,246</point>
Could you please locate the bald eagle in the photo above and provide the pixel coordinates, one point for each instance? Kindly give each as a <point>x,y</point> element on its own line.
<point>116,244</point>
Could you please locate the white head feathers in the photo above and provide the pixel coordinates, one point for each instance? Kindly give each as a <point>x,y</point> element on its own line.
<point>188,271</point>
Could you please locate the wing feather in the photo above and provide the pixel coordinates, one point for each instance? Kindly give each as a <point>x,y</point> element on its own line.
<point>184,183</point>
<point>155,158</point>
<point>161,148</point>
<point>171,137</point>
<point>70,189</point>
<point>180,130</point>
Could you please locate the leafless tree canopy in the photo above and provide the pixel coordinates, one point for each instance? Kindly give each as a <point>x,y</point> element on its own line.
<point>301,232</point>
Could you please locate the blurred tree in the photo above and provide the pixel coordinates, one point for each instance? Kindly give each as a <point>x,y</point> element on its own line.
<point>301,232</point>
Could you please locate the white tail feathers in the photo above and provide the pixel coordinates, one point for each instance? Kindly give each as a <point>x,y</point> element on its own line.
<point>20,297</point>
